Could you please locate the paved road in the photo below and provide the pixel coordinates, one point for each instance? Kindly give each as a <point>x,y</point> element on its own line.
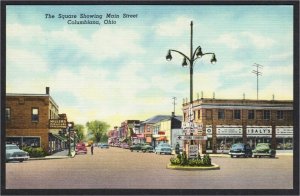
<point>117,168</point>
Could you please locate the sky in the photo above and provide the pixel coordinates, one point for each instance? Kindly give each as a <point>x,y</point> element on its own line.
<point>118,71</point>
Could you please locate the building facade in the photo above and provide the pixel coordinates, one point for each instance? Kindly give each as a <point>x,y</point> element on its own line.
<point>226,122</point>
<point>27,121</point>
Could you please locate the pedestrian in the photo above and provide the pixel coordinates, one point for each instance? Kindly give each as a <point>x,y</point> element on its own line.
<point>177,148</point>
<point>92,149</point>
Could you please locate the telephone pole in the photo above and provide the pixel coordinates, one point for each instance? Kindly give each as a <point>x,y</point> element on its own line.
<point>174,103</point>
<point>257,73</point>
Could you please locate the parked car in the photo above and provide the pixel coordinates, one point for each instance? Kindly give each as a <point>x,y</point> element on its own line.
<point>137,147</point>
<point>80,148</point>
<point>125,146</point>
<point>147,148</point>
<point>13,153</point>
<point>163,148</point>
<point>103,145</point>
<point>263,149</point>
<point>240,150</point>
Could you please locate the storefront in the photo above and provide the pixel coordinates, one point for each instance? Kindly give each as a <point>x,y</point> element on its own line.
<point>24,141</point>
<point>258,134</point>
<point>228,135</point>
<point>284,138</point>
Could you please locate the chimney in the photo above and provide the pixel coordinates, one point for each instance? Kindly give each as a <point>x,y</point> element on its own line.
<point>47,90</point>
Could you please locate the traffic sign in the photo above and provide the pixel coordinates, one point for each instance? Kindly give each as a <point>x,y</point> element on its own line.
<point>191,137</point>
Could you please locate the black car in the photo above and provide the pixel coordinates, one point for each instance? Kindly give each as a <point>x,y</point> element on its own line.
<point>137,147</point>
<point>240,150</point>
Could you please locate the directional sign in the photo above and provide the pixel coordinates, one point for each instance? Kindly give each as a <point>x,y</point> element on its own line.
<point>191,137</point>
<point>193,151</point>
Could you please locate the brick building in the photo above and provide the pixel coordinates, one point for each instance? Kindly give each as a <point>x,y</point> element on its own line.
<point>27,121</point>
<point>226,122</point>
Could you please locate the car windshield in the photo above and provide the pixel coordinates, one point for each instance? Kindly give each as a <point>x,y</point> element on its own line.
<point>12,147</point>
<point>237,145</point>
<point>262,145</point>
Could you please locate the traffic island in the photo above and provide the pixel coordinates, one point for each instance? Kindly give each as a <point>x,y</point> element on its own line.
<point>179,167</point>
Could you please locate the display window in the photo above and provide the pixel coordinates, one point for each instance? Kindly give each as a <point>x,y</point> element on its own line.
<point>24,141</point>
<point>224,144</point>
<point>253,141</point>
<point>284,143</point>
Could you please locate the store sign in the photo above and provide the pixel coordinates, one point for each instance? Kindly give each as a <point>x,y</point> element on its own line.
<point>259,131</point>
<point>284,131</point>
<point>58,123</point>
<point>229,130</point>
<point>193,151</point>
<point>191,137</point>
<point>191,127</point>
<point>209,131</point>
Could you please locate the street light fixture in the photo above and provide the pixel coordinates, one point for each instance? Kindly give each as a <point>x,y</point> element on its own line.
<point>194,55</point>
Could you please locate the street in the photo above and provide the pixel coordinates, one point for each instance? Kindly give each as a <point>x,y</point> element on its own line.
<point>117,168</point>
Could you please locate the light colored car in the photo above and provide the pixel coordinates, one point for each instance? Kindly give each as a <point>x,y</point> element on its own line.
<point>103,145</point>
<point>163,148</point>
<point>13,153</point>
<point>263,149</point>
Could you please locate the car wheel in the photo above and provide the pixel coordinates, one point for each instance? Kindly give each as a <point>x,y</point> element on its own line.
<point>21,161</point>
<point>231,156</point>
<point>143,151</point>
<point>131,150</point>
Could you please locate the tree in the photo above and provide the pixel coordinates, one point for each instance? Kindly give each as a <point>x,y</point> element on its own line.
<point>79,131</point>
<point>98,129</point>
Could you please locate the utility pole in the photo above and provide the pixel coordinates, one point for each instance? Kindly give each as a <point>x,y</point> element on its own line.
<point>174,103</point>
<point>257,73</point>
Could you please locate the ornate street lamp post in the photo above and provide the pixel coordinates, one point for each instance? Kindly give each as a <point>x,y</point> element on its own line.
<point>194,55</point>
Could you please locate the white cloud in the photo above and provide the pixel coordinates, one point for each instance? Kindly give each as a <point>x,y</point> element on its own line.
<point>229,40</point>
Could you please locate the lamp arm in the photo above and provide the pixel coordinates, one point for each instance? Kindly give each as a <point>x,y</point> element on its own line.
<point>202,55</point>
<point>181,54</point>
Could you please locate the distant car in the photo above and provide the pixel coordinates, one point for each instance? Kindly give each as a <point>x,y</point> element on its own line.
<point>137,147</point>
<point>163,148</point>
<point>80,148</point>
<point>13,153</point>
<point>263,149</point>
<point>103,145</point>
<point>125,146</point>
<point>240,150</point>
<point>147,148</point>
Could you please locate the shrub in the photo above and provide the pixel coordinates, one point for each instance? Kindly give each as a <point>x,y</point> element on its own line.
<point>35,152</point>
<point>175,161</point>
<point>206,160</point>
<point>184,159</point>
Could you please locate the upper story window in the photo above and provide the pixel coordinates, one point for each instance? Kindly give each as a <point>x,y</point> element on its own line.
<point>267,115</point>
<point>34,114</point>
<point>251,114</point>
<point>237,114</point>
<point>221,114</point>
<point>7,114</point>
<point>198,114</point>
<point>208,114</point>
<point>280,115</point>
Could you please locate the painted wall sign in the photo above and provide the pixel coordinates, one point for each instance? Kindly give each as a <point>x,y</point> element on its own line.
<point>229,130</point>
<point>284,131</point>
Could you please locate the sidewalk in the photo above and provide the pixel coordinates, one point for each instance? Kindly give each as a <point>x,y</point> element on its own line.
<point>58,155</point>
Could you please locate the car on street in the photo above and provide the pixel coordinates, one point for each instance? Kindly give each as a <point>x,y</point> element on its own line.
<point>163,148</point>
<point>13,153</point>
<point>125,146</point>
<point>240,150</point>
<point>147,148</point>
<point>137,147</point>
<point>103,145</point>
<point>80,148</point>
<point>263,149</point>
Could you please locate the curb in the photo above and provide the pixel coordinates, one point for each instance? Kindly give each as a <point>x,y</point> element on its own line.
<point>53,157</point>
<point>213,167</point>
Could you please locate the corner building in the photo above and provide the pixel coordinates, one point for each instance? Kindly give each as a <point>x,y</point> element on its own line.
<point>229,121</point>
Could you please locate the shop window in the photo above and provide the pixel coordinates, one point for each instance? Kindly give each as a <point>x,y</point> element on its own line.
<point>35,115</point>
<point>237,114</point>
<point>31,141</point>
<point>7,114</point>
<point>250,114</point>
<point>267,114</point>
<point>280,115</point>
<point>221,114</point>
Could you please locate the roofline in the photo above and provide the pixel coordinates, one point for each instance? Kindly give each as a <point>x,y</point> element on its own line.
<point>32,95</point>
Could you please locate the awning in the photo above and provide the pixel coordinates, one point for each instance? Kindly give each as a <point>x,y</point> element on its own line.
<point>59,137</point>
<point>162,138</point>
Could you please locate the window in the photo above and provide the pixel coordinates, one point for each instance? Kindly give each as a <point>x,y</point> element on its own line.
<point>250,114</point>
<point>35,115</point>
<point>280,115</point>
<point>267,115</point>
<point>237,114</point>
<point>7,113</point>
<point>221,114</point>
<point>198,114</point>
